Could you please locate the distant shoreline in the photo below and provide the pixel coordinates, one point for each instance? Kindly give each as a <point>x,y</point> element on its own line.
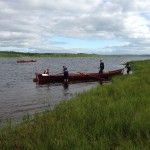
<point>11,54</point>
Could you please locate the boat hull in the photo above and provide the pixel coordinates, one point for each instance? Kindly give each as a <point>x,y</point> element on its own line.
<point>78,77</point>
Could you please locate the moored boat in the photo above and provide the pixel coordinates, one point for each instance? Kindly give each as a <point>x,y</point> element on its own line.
<point>76,77</point>
<point>25,61</point>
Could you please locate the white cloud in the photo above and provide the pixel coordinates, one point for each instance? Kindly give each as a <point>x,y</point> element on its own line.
<point>32,23</point>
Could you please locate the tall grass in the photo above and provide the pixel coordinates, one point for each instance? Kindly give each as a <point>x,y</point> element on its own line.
<point>115,116</point>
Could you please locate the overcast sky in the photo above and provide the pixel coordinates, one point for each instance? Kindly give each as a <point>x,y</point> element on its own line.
<point>75,26</point>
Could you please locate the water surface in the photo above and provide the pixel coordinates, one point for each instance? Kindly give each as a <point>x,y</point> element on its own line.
<point>19,95</point>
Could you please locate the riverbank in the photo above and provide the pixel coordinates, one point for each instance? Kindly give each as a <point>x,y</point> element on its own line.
<point>114,116</point>
<point>11,54</point>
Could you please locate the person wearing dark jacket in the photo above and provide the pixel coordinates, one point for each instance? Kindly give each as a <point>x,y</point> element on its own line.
<point>101,66</point>
<point>128,67</point>
<point>66,74</point>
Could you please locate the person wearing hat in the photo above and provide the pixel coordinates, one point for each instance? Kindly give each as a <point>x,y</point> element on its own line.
<point>101,66</point>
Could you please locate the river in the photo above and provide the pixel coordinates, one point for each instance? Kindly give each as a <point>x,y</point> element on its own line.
<point>19,95</point>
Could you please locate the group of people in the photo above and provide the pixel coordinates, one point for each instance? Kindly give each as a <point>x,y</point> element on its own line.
<point>101,69</point>
<point>66,73</point>
<point>127,66</point>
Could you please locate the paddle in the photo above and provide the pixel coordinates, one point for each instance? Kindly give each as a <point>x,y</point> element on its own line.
<point>123,63</point>
<point>97,78</point>
<point>59,73</point>
<point>89,75</point>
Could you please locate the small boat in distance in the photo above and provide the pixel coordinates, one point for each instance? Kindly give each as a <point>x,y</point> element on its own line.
<point>25,61</point>
<point>76,77</point>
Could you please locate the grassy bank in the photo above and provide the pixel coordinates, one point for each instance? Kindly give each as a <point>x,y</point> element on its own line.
<point>4,54</point>
<point>115,116</point>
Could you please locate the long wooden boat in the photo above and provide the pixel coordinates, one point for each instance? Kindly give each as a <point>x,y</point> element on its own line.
<point>76,77</point>
<point>25,61</point>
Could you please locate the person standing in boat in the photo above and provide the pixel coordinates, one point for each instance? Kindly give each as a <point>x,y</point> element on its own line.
<point>128,67</point>
<point>66,74</point>
<point>101,66</point>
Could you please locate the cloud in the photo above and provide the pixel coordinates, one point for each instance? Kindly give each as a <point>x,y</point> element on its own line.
<point>31,24</point>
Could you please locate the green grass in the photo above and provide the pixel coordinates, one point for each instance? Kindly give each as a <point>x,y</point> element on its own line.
<point>10,54</point>
<point>115,116</point>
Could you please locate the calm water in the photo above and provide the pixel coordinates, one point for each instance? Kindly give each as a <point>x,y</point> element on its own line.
<point>20,96</point>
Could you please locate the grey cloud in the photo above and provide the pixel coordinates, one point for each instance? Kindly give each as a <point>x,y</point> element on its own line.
<point>25,23</point>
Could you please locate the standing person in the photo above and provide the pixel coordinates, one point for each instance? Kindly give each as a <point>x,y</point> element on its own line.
<point>128,67</point>
<point>66,74</point>
<point>101,66</point>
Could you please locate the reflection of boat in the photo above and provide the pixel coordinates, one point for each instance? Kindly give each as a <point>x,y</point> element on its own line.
<point>25,61</point>
<point>76,77</point>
